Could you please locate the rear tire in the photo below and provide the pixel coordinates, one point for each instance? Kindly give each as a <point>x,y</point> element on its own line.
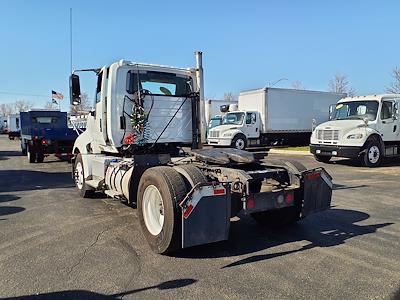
<point>159,193</point>
<point>31,154</point>
<point>40,158</point>
<point>191,175</point>
<point>322,158</point>
<point>79,177</point>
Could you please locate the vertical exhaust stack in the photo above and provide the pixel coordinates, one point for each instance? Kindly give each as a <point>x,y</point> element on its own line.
<point>200,107</point>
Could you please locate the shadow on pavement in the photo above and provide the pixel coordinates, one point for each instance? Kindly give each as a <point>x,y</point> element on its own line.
<point>9,210</point>
<point>330,228</point>
<point>82,294</point>
<point>386,162</point>
<point>8,198</point>
<point>6,154</point>
<point>337,186</point>
<point>26,180</point>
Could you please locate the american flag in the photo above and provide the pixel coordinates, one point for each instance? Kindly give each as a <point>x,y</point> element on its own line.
<point>55,95</point>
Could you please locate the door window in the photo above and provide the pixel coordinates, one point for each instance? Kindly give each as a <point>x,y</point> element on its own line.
<point>250,118</point>
<point>98,88</point>
<point>387,110</point>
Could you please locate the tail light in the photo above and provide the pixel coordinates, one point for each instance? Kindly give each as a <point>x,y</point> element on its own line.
<point>44,142</point>
<point>250,203</point>
<point>289,197</point>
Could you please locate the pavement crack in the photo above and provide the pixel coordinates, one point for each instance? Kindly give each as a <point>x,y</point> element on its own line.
<point>86,250</point>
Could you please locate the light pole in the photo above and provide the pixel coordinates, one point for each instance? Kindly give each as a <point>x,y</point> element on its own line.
<point>273,84</point>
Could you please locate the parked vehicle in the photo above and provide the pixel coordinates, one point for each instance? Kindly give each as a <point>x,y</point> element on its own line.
<point>3,124</point>
<point>215,107</point>
<point>46,132</point>
<point>13,126</point>
<point>215,110</point>
<point>365,128</point>
<point>272,116</point>
<point>132,150</point>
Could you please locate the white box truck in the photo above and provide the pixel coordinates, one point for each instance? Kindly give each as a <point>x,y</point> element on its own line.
<point>363,127</point>
<point>13,126</point>
<point>271,116</point>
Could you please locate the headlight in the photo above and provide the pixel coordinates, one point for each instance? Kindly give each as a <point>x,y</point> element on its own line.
<point>355,136</point>
<point>227,134</point>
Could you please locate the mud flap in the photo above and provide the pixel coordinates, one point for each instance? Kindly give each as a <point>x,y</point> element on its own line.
<point>206,215</point>
<point>317,187</point>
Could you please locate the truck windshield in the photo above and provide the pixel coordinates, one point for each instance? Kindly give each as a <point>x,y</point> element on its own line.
<point>159,83</point>
<point>233,118</point>
<point>214,122</point>
<point>44,120</point>
<point>356,110</point>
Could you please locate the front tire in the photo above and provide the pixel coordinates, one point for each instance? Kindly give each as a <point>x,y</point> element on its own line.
<point>373,154</point>
<point>239,142</point>
<point>159,193</point>
<point>79,177</point>
<point>322,158</point>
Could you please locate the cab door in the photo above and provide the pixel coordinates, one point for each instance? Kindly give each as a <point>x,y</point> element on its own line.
<point>389,127</point>
<point>101,109</point>
<point>252,125</point>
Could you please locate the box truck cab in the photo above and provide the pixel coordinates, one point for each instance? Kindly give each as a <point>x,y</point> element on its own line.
<point>236,129</point>
<point>362,127</point>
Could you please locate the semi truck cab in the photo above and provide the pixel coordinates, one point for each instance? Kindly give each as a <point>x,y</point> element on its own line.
<point>362,127</point>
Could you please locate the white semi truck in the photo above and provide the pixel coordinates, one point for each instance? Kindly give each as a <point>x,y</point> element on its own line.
<point>272,116</point>
<point>365,128</point>
<point>133,149</point>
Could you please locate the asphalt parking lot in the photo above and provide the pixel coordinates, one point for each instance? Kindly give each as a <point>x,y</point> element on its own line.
<point>54,244</point>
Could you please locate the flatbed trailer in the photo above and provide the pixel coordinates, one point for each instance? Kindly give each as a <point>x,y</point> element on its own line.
<point>46,132</point>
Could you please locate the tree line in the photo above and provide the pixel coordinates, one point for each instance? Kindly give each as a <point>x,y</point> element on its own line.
<point>339,83</point>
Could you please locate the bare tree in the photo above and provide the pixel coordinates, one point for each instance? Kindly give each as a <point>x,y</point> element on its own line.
<point>22,105</point>
<point>394,87</point>
<point>6,109</point>
<point>230,97</point>
<point>297,85</point>
<point>82,108</point>
<point>50,105</point>
<point>340,84</point>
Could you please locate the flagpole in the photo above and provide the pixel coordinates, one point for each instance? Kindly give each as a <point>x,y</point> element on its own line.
<point>70,37</point>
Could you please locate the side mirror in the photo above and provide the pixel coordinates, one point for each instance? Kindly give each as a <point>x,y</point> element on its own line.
<point>74,90</point>
<point>332,109</point>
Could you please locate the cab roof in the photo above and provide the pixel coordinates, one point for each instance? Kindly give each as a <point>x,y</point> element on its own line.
<point>378,97</point>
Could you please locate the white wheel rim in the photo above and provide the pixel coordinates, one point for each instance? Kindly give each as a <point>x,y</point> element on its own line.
<point>239,144</point>
<point>79,175</point>
<point>153,210</point>
<point>373,154</point>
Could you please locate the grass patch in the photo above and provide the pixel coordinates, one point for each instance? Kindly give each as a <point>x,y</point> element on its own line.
<point>301,148</point>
